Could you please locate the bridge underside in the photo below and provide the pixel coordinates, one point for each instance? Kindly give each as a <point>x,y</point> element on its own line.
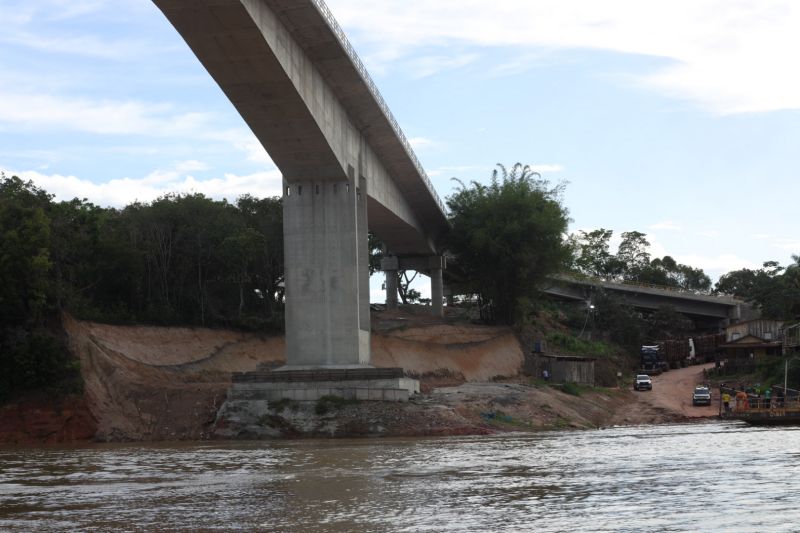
<point>346,167</point>
<point>705,313</point>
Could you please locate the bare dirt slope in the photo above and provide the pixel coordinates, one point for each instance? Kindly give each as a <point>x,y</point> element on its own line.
<point>155,383</point>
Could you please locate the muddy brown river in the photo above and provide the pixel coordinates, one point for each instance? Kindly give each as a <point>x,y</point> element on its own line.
<point>698,477</point>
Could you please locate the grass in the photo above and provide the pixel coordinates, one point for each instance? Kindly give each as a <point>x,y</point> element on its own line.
<point>572,344</point>
<point>571,389</point>
<point>501,418</point>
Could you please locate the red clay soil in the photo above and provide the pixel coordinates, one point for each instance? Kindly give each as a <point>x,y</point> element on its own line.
<point>46,421</point>
<point>151,383</point>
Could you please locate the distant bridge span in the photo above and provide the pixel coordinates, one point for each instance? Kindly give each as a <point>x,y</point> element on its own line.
<point>721,308</point>
<point>290,72</point>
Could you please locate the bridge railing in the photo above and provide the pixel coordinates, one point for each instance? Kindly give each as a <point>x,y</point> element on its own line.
<point>362,70</point>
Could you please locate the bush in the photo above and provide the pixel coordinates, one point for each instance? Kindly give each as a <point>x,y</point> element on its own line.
<point>571,389</point>
<point>573,344</point>
<point>36,360</point>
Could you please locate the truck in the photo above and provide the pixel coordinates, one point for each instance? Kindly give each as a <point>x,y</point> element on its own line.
<point>662,355</point>
<point>652,360</point>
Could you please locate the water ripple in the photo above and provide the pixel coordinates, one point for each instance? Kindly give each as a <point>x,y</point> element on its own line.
<point>700,477</point>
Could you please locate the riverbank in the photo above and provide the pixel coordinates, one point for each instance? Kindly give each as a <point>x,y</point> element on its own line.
<point>153,384</point>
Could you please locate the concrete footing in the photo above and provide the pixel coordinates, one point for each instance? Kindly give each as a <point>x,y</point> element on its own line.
<point>368,384</point>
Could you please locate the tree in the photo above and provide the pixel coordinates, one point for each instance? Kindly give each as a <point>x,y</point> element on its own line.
<point>669,273</point>
<point>25,266</point>
<point>775,289</point>
<point>508,236</point>
<point>31,356</point>
<point>266,216</point>
<point>739,283</point>
<point>633,254</point>
<point>667,323</point>
<point>592,250</point>
<point>621,322</point>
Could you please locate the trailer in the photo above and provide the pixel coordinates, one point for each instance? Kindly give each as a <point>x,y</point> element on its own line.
<point>706,347</point>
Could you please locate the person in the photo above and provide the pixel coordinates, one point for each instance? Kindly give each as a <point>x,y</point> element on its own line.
<point>726,401</point>
<point>741,401</point>
<point>767,398</point>
<point>546,374</point>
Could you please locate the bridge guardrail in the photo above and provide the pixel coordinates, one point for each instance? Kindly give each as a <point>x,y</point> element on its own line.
<point>362,70</point>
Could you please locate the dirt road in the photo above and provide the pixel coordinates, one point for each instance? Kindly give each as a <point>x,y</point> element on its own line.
<point>670,399</point>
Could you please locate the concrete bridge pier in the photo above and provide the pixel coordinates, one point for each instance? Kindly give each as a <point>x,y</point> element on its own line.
<point>390,266</point>
<point>431,265</point>
<point>437,263</point>
<point>326,274</point>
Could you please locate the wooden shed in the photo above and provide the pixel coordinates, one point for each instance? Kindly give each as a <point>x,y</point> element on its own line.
<point>767,330</point>
<point>750,347</point>
<point>562,368</point>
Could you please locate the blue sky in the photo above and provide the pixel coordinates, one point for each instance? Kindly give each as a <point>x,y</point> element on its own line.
<point>678,119</point>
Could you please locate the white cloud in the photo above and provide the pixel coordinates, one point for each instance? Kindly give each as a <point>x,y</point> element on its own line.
<point>52,113</point>
<point>100,117</point>
<point>712,233</point>
<point>83,45</point>
<point>790,245</point>
<point>425,66</point>
<point>120,192</point>
<point>248,143</point>
<point>728,57</point>
<point>191,165</point>
<point>716,265</point>
<point>667,225</point>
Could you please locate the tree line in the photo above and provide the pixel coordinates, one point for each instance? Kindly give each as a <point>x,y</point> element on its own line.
<point>632,262</point>
<point>773,288</point>
<point>181,259</point>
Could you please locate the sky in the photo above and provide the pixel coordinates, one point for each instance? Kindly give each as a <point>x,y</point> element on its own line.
<point>678,119</point>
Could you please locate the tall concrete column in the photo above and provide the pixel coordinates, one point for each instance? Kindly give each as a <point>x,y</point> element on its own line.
<point>363,263</point>
<point>437,285</point>
<point>324,238</point>
<point>390,265</point>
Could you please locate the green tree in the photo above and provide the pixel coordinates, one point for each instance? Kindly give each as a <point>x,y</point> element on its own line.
<point>265,215</point>
<point>667,323</point>
<point>25,282</point>
<point>775,289</point>
<point>508,236</point>
<point>31,353</point>
<point>592,253</point>
<point>241,249</point>
<point>669,273</point>
<point>633,254</point>
<point>620,322</point>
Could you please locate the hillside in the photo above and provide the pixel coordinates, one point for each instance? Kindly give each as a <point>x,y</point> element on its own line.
<point>157,383</point>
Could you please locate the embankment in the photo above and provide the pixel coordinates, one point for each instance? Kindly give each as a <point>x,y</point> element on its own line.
<point>155,383</point>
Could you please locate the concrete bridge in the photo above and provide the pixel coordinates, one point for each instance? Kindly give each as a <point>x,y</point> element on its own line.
<point>704,308</point>
<point>290,72</point>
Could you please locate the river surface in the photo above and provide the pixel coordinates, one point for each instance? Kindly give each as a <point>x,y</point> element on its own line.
<point>699,477</point>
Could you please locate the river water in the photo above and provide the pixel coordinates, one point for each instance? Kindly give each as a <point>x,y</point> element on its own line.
<point>700,477</point>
